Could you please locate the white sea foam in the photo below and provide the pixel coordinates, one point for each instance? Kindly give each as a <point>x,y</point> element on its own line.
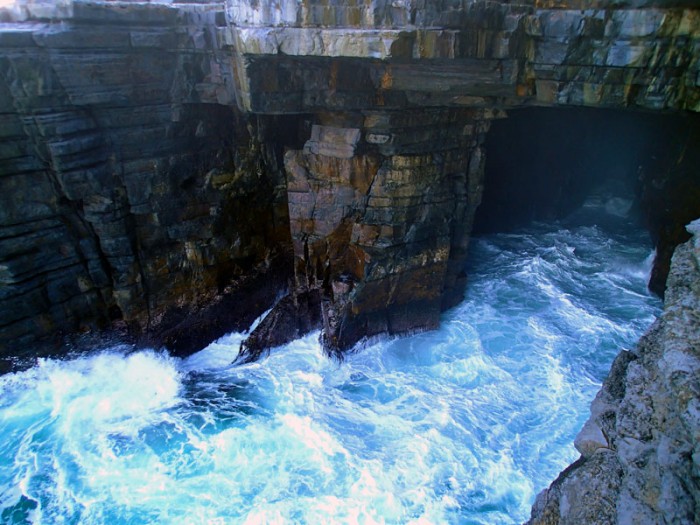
<point>461,425</point>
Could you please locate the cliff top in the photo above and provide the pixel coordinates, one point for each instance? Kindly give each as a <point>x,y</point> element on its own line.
<point>55,10</point>
<point>403,53</point>
<point>328,13</point>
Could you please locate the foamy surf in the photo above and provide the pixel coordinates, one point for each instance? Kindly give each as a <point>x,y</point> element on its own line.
<point>461,425</point>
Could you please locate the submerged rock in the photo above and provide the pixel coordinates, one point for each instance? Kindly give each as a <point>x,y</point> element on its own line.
<point>647,468</point>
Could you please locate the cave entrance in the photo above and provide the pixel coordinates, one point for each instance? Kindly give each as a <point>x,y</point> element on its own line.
<point>545,163</point>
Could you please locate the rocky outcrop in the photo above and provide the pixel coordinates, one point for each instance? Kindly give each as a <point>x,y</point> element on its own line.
<point>380,218</point>
<point>640,450</point>
<point>395,88</point>
<point>292,317</point>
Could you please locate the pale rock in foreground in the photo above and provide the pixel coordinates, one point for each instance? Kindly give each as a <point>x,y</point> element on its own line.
<point>641,447</point>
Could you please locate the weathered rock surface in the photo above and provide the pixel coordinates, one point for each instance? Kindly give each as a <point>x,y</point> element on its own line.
<point>640,449</point>
<point>292,317</point>
<point>156,155</point>
<point>127,176</point>
<point>466,53</point>
<point>380,220</point>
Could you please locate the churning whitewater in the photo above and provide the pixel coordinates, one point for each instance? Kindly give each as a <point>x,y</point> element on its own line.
<point>465,424</point>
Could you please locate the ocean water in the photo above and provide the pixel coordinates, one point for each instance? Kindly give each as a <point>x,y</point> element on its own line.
<point>462,425</point>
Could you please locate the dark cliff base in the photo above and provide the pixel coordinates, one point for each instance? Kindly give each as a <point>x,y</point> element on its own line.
<point>181,330</point>
<point>189,328</point>
<point>292,317</point>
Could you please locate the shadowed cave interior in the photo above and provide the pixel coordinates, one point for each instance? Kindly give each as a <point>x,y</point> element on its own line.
<point>543,163</point>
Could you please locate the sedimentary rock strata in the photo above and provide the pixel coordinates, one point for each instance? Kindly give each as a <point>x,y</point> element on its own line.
<point>382,227</point>
<point>465,53</point>
<point>126,173</point>
<point>156,155</point>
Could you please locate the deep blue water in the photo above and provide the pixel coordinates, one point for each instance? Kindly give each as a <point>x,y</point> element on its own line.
<point>464,425</point>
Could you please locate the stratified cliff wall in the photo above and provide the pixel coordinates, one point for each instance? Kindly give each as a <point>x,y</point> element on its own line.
<point>127,174</point>
<point>407,91</point>
<point>156,155</point>
<point>384,233</point>
<point>640,450</point>
<point>599,53</point>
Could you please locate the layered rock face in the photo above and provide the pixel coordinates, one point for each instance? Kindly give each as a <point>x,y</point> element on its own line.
<point>466,53</point>
<point>144,162</point>
<point>640,450</point>
<point>390,87</point>
<point>127,175</point>
<point>380,217</point>
<point>384,233</point>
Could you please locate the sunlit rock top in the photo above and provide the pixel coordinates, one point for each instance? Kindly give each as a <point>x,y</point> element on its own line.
<point>601,53</point>
<point>54,10</point>
<point>418,53</point>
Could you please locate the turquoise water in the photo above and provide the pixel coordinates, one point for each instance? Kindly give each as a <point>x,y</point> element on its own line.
<point>462,425</point>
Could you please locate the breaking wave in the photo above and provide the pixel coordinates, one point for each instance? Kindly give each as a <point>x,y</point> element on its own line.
<point>465,424</point>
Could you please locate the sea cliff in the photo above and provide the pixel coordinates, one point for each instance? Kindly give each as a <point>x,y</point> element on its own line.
<point>158,158</point>
<point>168,170</point>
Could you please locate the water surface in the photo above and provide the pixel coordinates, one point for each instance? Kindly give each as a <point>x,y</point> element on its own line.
<point>464,425</point>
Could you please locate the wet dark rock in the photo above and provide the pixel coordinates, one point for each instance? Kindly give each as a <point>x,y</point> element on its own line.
<point>6,366</point>
<point>189,328</point>
<point>292,317</point>
<point>669,192</point>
